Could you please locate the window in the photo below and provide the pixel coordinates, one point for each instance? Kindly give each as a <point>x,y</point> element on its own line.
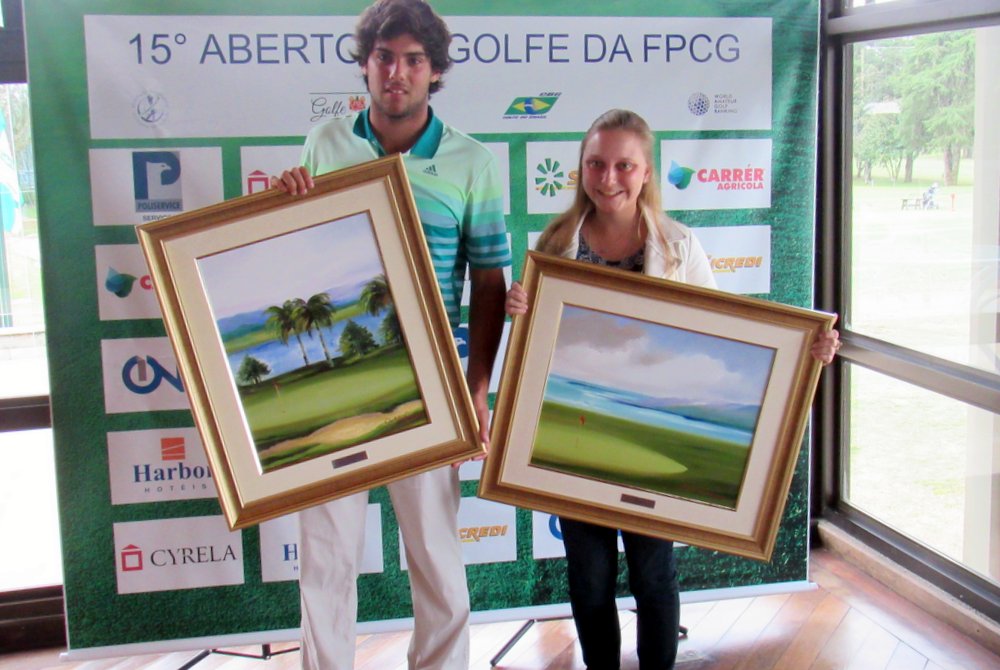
<point>23,368</point>
<point>28,515</point>
<point>918,283</point>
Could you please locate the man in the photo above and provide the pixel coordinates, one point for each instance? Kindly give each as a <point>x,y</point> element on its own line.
<point>402,48</point>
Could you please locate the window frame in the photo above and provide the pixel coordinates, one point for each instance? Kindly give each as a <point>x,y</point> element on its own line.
<point>841,28</point>
<point>29,618</point>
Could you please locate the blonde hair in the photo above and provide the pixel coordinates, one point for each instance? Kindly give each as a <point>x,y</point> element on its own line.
<point>563,226</point>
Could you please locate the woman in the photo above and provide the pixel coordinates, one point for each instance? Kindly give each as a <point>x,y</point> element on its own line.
<point>617,219</point>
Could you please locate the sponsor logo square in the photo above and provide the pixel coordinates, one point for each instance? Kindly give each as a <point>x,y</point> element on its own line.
<point>158,465</point>
<point>546,536</point>
<point>551,175</point>
<point>279,546</point>
<point>124,286</point>
<point>173,554</point>
<point>740,257</point>
<point>715,174</point>
<point>141,375</point>
<point>163,182</point>
<point>257,164</point>
<point>487,531</point>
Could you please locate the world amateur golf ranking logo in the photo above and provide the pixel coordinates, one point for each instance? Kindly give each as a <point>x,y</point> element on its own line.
<point>532,107</point>
<point>156,177</point>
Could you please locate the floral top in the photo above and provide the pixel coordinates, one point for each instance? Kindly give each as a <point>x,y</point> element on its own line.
<point>634,263</point>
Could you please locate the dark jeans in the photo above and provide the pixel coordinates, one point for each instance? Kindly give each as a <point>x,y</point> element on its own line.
<point>592,558</point>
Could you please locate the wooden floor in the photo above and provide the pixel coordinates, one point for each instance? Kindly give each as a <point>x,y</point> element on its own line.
<point>850,621</point>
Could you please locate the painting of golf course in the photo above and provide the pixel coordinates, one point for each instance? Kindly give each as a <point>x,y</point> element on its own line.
<point>651,407</point>
<point>313,341</point>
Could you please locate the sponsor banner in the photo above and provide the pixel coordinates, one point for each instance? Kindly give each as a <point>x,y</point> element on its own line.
<point>501,356</point>
<point>551,174</point>
<point>546,536</point>
<point>740,257</point>
<point>471,471</point>
<point>164,182</point>
<point>279,546</point>
<point>257,164</point>
<point>507,276</point>
<point>171,554</point>
<point>157,465</point>
<point>715,174</point>
<point>461,335</point>
<point>152,76</point>
<point>487,530</point>
<point>124,287</point>
<point>502,152</point>
<point>141,375</point>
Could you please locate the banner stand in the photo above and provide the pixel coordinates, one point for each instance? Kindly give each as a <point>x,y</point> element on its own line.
<point>138,110</point>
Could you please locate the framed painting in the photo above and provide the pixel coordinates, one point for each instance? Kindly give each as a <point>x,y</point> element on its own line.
<point>312,341</point>
<point>652,406</point>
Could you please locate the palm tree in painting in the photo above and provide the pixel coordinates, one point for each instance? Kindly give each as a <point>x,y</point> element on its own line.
<point>286,320</point>
<point>375,299</point>
<point>375,296</point>
<point>317,312</point>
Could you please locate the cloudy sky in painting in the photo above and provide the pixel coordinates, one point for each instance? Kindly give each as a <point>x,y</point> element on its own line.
<point>333,257</point>
<point>656,360</point>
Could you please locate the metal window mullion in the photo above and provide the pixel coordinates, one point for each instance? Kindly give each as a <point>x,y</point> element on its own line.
<point>908,18</point>
<point>959,382</point>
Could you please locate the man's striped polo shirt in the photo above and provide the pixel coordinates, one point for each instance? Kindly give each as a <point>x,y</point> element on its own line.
<point>456,186</point>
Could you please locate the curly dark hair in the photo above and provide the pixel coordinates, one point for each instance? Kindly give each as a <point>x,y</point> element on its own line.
<point>388,19</point>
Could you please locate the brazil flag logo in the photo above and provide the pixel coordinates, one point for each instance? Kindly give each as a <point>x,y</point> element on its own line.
<point>531,106</point>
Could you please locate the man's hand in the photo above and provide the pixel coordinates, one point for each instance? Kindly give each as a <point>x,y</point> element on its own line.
<point>482,407</point>
<point>296,181</point>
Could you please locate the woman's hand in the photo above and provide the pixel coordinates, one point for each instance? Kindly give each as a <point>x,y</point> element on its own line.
<point>517,300</point>
<point>826,346</point>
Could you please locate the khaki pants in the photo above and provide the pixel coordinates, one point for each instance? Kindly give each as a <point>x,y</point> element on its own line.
<point>330,546</point>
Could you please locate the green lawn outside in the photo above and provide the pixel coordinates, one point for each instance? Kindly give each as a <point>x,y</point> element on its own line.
<point>912,284</point>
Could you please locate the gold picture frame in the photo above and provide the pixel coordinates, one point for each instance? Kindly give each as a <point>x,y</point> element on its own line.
<point>652,406</point>
<point>315,349</point>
